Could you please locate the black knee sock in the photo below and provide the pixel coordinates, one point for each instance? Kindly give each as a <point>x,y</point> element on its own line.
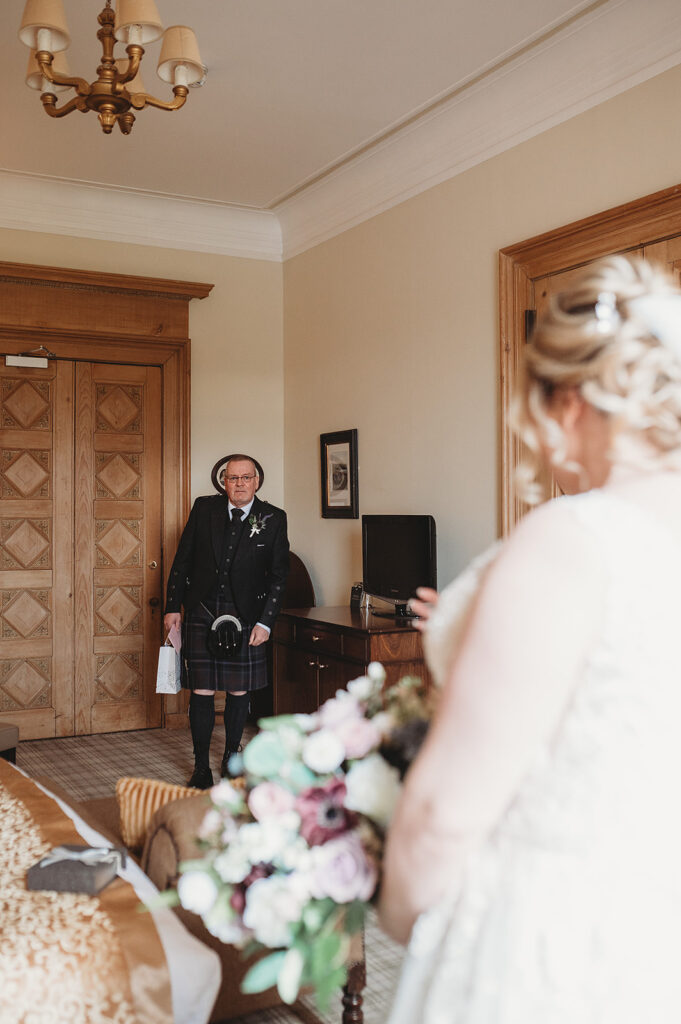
<point>201,722</point>
<point>236,713</point>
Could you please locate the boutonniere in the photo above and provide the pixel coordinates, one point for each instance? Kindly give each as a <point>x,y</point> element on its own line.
<point>258,523</point>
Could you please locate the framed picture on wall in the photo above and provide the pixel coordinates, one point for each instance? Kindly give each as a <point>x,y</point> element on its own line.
<point>340,493</point>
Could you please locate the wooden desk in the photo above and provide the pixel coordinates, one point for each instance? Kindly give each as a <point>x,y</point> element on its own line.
<point>316,651</point>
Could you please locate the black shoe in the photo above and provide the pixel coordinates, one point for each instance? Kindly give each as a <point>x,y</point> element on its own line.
<point>201,779</point>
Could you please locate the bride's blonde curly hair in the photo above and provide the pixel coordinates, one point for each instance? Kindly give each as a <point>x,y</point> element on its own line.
<point>595,337</point>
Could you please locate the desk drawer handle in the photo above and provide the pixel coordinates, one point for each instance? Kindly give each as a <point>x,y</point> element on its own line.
<point>323,666</point>
<point>315,639</point>
<point>313,663</point>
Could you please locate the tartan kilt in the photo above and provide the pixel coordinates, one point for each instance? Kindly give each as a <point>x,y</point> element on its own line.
<point>246,670</point>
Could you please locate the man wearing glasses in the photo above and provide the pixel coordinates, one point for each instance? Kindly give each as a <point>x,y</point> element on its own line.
<point>232,559</point>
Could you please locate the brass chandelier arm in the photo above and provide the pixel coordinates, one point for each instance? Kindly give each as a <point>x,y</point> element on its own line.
<point>51,108</point>
<point>44,59</point>
<point>140,100</point>
<point>135,54</point>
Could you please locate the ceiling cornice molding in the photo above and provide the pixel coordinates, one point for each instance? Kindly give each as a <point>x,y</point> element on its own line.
<point>593,58</point>
<point>37,203</point>
<point>608,51</point>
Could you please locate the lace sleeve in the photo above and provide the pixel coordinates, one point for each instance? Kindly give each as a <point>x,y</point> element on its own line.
<point>447,622</point>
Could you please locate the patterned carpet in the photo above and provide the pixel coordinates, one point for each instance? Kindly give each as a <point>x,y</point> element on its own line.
<point>89,766</point>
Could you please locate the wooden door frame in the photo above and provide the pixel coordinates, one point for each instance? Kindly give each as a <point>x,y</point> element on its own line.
<point>153,331</point>
<point>622,228</point>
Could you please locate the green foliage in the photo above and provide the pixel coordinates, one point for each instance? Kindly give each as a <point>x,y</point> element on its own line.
<point>275,723</point>
<point>168,898</point>
<point>264,973</point>
<point>354,917</point>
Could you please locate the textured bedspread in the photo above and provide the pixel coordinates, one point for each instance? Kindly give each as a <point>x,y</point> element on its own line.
<point>67,958</point>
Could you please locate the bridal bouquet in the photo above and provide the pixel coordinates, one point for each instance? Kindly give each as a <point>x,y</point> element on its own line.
<point>293,845</point>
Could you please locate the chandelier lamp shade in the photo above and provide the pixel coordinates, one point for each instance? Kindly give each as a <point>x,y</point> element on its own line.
<point>118,90</point>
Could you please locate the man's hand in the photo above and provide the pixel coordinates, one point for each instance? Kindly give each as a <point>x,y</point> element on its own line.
<point>258,636</point>
<point>172,619</point>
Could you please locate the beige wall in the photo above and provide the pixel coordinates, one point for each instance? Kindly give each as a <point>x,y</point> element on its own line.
<point>392,328</point>
<point>237,358</point>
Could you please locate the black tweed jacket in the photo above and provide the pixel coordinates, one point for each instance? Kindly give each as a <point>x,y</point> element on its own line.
<point>259,567</point>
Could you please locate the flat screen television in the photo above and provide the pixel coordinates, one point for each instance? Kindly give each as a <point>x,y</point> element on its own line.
<point>398,555</point>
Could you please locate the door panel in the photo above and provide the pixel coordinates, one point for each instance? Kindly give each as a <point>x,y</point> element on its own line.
<point>668,253</point>
<point>118,576</point>
<point>80,536</point>
<point>36,424</point>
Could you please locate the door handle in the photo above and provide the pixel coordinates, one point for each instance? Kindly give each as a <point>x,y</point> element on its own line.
<point>153,565</point>
<point>154,602</point>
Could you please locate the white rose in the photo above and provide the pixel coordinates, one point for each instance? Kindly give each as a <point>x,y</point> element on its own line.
<point>323,752</point>
<point>291,740</point>
<point>233,864</point>
<point>306,723</point>
<point>272,905</point>
<point>210,824</point>
<point>265,840</point>
<point>384,722</point>
<point>229,832</point>
<point>362,688</point>
<point>225,795</point>
<point>373,787</point>
<point>227,930</point>
<point>297,856</point>
<point>376,672</point>
<point>197,891</point>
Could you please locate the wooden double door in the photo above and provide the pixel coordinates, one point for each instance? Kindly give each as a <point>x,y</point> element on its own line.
<point>80,547</point>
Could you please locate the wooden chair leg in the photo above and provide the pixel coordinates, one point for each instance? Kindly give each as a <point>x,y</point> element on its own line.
<point>352,994</point>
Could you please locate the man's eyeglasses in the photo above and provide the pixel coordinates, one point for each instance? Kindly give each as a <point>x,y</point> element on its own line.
<point>235,479</point>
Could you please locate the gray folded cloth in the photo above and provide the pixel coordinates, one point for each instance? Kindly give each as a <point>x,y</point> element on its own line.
<point>72,868</point>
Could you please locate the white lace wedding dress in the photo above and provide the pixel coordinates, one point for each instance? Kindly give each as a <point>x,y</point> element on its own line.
<point>570,913</point>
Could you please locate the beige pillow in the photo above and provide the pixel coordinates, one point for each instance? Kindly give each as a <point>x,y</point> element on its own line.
<point>138,801</point>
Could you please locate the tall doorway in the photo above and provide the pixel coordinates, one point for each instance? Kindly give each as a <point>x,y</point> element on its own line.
<point>80,547</point>
<point>94,490</point>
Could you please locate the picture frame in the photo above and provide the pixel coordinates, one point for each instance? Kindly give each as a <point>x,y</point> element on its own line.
<point>339,476</point>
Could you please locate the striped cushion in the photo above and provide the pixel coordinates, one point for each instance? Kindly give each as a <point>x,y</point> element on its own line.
<point>138,801</point>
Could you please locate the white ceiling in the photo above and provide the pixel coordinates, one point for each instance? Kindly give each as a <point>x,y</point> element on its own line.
<point>299,91</point>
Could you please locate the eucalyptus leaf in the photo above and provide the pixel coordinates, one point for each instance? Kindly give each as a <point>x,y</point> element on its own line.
<point>354,917</point>
<point>325,953</point>
<point>265,755</point>
<point>272,724</point>
<point>288,982</point>
<point>264,973</point>
<point>328,986</point>
<point>168,898</point>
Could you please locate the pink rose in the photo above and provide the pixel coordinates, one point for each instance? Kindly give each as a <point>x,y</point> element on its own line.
<point>343,871</point>
<point>322,814</point>
<point>269,800</point>
<point>358,736</point>
<point>338,709</point>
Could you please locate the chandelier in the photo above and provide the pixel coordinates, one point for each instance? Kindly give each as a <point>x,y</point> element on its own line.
<point>118,89</point>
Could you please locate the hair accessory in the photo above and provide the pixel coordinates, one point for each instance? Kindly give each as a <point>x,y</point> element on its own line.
<point>605,311</point>
<point>661,316</point>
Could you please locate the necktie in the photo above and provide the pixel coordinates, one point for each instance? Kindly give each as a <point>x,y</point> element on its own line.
<point>237,515</point>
